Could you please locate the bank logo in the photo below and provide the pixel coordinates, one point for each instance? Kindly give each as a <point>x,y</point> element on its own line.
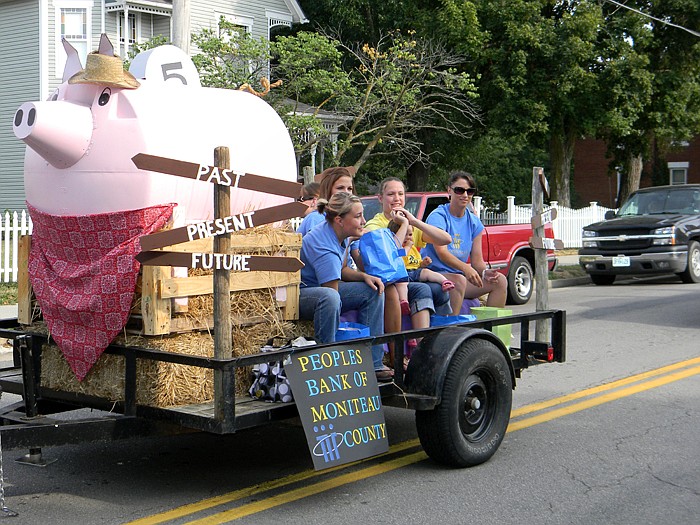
<point>327,443</point>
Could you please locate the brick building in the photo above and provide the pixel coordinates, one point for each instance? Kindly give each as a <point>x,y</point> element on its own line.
<point>594,180</point>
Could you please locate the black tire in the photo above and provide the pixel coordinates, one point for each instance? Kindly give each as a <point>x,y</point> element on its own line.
<point>692,272</point>
<point>602,280</point>
<point>520,281</point>
<point>468,425</point>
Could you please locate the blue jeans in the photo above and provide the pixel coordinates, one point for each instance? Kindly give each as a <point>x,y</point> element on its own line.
<point>440,299</point>
<point>420,297</point>
<point>324,306</point>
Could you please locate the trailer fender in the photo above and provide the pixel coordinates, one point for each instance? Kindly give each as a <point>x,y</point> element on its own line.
<point>429,362</point>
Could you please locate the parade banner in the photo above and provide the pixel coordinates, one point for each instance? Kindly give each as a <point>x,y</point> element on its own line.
<point>336,392</point>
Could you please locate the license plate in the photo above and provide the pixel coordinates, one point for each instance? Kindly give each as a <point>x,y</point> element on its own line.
<point>620,262</point>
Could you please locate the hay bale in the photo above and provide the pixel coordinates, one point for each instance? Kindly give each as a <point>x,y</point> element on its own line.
<point>163,384</point>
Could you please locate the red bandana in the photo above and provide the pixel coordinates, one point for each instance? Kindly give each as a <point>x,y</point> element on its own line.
<point>84,273</point>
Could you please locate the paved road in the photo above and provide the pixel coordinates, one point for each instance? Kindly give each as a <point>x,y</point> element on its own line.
<point>608,437</point>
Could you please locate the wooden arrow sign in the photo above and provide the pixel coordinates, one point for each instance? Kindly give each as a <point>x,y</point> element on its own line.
<point>214,175</point>
<point>222,225</point>
<point>221,261</point>
<point>546,243</point>
<point>544,218</point>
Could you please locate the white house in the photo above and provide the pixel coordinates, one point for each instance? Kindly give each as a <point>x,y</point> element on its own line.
<point>32,57</point>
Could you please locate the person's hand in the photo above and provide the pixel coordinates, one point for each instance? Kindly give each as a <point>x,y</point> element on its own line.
<point>375,283</point>
<point>425,262</point>
<point>473,276</point>
<point>403,211</point>
<point>399,215</point>
<point>489,275</point>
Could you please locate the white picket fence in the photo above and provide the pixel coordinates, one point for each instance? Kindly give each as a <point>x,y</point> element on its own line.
<point>567,227</point>
<point>12,226</point>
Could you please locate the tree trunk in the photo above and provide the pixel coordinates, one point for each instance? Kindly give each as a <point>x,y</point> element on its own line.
<point>561,154</point>
<point>417,177</point>
<point>630,178</point>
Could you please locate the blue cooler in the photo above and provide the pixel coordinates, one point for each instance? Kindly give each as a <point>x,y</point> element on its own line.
<point>351,331</point>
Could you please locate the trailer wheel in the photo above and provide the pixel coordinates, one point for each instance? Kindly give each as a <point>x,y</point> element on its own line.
<point>520,281</point>
<point>692,272</point>
<point>468,425</point>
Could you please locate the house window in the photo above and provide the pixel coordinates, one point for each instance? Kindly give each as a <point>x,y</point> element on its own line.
<point>678,172</point>
<point>72,23</point>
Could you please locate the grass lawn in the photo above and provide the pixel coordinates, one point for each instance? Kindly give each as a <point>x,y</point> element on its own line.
<point>8,293</point>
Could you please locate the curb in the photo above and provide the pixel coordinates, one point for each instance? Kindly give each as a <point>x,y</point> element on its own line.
<point>575,281</point>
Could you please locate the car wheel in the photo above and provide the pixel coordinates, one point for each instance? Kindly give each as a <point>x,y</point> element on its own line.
<point>602,280</point>
<point>520,281</point>
<point>692,272</point>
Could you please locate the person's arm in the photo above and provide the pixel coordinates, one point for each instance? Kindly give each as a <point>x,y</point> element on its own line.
<point>375,283</point>
<point>402,219</point>
<point>431,234</point>
<point>450,260</point>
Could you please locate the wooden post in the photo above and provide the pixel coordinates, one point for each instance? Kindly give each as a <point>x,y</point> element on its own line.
<point>308,174</point>
<point>223,345</point>
<point>541,268</point>
<point>24,288</point>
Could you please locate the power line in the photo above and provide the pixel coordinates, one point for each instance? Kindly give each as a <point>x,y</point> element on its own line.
<point>654,18</point>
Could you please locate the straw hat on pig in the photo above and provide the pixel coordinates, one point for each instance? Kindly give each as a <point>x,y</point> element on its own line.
<point>105,70</point>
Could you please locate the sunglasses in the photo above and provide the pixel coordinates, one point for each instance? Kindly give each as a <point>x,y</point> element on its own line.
<point>304,199</point>
<point>461,191</point>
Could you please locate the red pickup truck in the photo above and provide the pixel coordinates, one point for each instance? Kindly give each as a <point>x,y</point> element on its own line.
<point>505,246</point>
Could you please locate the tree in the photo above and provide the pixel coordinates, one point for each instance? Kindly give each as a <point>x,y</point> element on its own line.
<point>536,79</point>
<point>390,93</point>
<point>652,75</point>
<point>407,86</point>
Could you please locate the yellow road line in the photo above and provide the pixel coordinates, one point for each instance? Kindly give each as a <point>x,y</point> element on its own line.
<point>229,497</point>
<point>303,492</point>
<point>535,407</point>
<point>390,465</point>
<point>612,396</point>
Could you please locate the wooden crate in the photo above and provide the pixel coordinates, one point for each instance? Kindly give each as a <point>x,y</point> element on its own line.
<point>157,314</point>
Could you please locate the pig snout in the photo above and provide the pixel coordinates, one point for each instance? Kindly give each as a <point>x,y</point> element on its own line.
<point>58,131</point>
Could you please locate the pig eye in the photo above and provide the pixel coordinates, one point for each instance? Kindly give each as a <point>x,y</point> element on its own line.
<point>104,97</point>
<point>54,96</point>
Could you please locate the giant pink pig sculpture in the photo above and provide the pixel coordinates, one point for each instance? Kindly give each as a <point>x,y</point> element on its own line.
<point>81,141</point>
<point>90,204</point>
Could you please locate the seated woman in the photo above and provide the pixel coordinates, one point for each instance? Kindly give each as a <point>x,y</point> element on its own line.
<point>329,286</point>
<point>416,265</point>
<point>462,260</point>
<point>310,193</point>
<point>424,298</point>
<point>332,181</point>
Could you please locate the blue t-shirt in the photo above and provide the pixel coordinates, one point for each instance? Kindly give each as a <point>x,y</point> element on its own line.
<point>463,231</point>
<point>322,256</point>
<point>312,219</point>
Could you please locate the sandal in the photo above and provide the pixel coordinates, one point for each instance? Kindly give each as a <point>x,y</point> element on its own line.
<point>447,285</point>
<point>384,374</point>
<point>406,308</point>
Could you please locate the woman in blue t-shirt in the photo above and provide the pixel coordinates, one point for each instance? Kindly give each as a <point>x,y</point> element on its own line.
<point>332,181</point>
<point>462,261</point>
<point>329,286</point>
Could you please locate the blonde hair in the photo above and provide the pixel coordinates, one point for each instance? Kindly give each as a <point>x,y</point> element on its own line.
<point>338,205</point>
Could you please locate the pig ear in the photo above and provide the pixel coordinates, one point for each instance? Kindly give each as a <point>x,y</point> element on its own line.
<point>73,64</point>
<point>106,47</point>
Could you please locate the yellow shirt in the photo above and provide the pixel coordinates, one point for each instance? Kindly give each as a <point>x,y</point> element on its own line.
<point>380,221</point>
<point>412,259</point>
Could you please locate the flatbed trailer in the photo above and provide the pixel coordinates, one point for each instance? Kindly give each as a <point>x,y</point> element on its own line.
<point>459,381</point>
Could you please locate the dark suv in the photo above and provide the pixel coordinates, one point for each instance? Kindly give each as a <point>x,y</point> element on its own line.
<point>656,231</point>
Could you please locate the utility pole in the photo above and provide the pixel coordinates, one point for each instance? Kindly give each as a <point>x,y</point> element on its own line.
<point>181,25</point>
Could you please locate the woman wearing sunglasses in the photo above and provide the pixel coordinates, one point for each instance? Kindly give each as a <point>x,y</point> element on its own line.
<point>462,261</point>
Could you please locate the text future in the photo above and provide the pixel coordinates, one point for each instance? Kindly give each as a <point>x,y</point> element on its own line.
<point>221,261</point>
